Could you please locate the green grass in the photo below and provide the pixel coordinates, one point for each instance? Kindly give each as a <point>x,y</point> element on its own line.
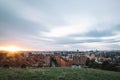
<point>57,74</point>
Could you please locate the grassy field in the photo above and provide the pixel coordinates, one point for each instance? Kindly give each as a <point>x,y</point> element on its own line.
<point>57,74</point>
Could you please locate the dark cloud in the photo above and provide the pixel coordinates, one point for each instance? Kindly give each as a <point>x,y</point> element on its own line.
<point>113,46</point>
<point>96,33</point>
<point>116,28</point>
<point>11,24</point>
<point>107,31</point>
<point>70,40</point>
<point>111,40</point>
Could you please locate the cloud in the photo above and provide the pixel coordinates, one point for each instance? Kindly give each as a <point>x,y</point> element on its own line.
<point>64,24</point>
<point>101,30</point>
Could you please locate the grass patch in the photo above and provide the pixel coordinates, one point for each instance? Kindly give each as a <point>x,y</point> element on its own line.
<point>57,74</point>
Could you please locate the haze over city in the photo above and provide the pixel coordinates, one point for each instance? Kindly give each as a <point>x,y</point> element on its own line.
<point>60,24</point>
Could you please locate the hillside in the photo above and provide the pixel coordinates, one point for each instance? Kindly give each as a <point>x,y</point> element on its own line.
<point>57,74</point>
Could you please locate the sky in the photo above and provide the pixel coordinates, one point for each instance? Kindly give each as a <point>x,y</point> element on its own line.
<point>60,24</point>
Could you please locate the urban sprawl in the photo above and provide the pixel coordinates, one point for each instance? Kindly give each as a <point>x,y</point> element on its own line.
<point>93,59</point>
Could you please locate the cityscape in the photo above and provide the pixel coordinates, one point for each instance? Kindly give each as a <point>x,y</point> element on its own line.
<point>59,59</point>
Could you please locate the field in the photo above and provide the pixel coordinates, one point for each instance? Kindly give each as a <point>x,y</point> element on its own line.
<point>57,74</point>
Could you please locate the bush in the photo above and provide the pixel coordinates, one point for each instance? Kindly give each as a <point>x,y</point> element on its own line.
<point>23,66</point>
<point>92,64</point>
<point>6,66</point>
<point>108,66</point>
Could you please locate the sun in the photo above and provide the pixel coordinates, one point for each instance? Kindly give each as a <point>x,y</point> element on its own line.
<point>11,48</point>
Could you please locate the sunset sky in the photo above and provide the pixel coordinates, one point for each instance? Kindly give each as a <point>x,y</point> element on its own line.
<point>60,24</point>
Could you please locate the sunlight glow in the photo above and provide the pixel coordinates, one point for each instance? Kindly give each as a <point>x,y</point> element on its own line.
<point>11,48</point>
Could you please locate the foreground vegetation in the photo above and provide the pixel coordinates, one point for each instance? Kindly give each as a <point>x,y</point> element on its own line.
<point>57,74</point>
<point>104,65</point>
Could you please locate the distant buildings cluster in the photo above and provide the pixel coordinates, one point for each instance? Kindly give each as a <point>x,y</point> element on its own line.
<point>55,58</point>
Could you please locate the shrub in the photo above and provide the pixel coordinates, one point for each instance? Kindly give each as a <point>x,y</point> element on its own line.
<point>23,66</point>
<point>6,66</point>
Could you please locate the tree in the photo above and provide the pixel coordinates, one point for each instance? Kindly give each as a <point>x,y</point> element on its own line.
<point>87,62</point>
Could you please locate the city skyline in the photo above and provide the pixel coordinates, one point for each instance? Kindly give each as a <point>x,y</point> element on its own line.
<point>60,24</point>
